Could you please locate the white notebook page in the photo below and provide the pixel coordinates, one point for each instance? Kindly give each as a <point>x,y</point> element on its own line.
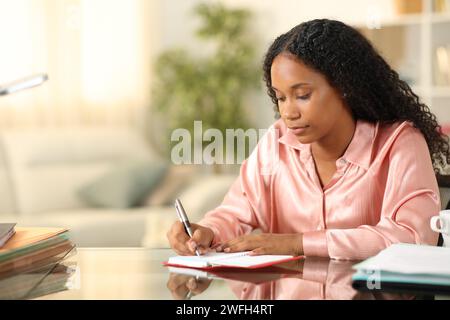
<point>238,259</point>
<point>205,260</point>
<point>410,259</point>
<point>249,261</point>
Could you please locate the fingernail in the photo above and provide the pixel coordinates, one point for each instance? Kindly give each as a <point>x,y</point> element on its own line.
<point>227,250</point>
<point>192,284</point>
<point>192,245</point>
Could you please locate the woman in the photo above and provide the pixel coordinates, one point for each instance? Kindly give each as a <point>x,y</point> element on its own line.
<point>355,153</point>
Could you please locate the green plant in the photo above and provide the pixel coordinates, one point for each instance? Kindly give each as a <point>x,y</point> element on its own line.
<point>210,89</point>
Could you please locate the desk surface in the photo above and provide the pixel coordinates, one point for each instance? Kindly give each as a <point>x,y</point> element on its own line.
<point>136,273</point>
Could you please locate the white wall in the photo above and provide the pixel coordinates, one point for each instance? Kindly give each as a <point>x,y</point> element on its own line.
<point>271,18</point>
<point>96,53</point>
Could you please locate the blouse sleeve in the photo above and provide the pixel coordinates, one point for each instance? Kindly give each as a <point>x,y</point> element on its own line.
<point>410,200</point>
<point>245,206</point>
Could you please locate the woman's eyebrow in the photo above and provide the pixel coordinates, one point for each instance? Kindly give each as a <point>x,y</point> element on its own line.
<point>298,85</point>
<point>295,86</point>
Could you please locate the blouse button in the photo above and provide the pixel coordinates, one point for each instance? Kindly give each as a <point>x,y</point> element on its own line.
<point>343,161</point>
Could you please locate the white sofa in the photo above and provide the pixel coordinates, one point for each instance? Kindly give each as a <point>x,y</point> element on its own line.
<point>42,170</point>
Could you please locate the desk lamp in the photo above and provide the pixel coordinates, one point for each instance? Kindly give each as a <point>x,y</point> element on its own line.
<point>22,84</point>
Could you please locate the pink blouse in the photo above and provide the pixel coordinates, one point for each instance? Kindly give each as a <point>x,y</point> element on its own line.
<point>384,191</point>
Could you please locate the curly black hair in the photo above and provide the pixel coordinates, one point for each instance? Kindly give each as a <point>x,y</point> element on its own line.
<point>370,87</point>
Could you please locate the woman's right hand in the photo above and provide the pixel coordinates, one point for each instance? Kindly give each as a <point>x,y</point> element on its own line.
<point>185,246</point>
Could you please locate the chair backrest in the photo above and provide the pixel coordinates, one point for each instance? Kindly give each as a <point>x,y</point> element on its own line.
<point>444,190</point>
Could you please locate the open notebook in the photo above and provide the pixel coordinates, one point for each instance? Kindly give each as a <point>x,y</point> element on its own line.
<point>228,260</point>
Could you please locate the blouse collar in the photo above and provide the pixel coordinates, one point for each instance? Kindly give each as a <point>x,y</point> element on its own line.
<point>359,151</point>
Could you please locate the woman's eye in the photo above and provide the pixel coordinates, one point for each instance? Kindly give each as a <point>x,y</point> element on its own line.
<point>280,99</point>
<point>305,97</point>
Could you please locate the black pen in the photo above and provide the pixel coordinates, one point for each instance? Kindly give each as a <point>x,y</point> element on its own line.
<point>184,219</point>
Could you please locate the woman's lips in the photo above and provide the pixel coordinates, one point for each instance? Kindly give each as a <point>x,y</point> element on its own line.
<point>298,130</point>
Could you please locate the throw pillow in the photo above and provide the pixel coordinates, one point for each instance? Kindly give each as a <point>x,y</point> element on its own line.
<point>125,186</point>
<point>175,180</point>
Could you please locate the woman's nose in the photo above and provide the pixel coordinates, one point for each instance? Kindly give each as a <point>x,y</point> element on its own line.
<point>290,111</point>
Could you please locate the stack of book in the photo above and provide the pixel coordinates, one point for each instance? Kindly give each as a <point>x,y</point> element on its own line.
<point>6,232</point>
<point>31,262</point>
<point>441,6</point>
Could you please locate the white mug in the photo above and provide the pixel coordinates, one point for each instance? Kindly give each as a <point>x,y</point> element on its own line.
<point>443,227</point>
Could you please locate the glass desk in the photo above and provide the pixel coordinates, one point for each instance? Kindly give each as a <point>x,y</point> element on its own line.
<point>138,273</point>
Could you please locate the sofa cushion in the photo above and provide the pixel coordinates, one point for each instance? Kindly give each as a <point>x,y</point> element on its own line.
<point>95,227</point>
<point>175,180</point>
<point>48,165</point>
<point>205,193</point>
<point>125,186</point>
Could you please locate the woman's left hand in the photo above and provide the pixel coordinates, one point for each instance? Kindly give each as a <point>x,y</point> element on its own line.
<point>266,243</point>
